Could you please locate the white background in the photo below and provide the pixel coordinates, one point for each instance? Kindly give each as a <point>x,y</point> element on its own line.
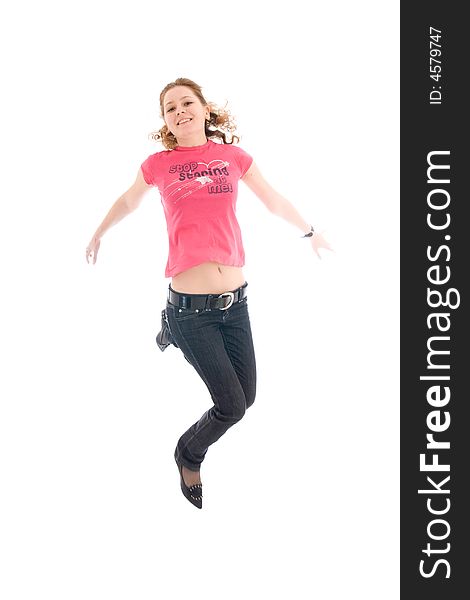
<point>301,497</point>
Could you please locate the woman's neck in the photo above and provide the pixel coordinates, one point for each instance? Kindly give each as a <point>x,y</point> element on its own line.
<point>194,140</point>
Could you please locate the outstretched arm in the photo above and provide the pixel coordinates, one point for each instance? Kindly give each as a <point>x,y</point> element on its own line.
<point>123,206</point>
<point>280,206</point>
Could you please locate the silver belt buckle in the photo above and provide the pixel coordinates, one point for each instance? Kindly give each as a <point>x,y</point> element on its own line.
<point>232,297</point>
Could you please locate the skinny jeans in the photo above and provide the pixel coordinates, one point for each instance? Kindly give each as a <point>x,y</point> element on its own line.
<point>219,345</point>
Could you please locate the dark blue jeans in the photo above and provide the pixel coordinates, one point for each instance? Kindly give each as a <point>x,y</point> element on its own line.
<point>219,345</point>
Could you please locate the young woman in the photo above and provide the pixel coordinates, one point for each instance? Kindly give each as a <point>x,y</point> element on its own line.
<point>206,308</point>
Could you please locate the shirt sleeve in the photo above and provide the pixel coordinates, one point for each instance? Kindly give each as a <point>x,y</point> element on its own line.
<point>147,169</point>
<point>243,159</point>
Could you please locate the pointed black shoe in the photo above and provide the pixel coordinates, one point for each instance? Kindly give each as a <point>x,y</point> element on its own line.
<point>193,493</point>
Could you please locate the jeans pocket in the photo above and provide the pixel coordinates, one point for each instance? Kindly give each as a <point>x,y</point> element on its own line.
<point>184,314</point>
<point>242,304</point>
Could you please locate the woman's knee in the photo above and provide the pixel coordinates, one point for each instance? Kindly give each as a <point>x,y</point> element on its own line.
<point>250,392</point>
<point>238,409</point>
<point>230,406</point>
<point>250,398</point>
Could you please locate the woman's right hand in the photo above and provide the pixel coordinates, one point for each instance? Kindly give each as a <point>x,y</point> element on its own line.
<point>92,249</point>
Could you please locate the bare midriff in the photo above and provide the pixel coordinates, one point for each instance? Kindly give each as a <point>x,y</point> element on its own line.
<point>208,278</point>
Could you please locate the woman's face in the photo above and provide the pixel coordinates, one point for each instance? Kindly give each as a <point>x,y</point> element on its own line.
<point>184,113</point>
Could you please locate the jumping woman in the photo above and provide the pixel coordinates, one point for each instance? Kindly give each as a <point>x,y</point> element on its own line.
<point>206,308</point>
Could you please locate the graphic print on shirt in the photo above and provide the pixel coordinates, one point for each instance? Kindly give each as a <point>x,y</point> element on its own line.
<point>192,176</point>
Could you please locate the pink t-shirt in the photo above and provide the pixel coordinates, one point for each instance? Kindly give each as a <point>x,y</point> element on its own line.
<point>198,187</point>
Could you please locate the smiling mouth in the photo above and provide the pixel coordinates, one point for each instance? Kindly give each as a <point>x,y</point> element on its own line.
<point>183,121</point>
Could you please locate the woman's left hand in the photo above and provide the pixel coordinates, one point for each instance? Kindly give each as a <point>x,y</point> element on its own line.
<point>318,241</point>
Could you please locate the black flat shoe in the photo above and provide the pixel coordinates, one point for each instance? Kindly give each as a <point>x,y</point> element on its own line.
<point>193,493</point>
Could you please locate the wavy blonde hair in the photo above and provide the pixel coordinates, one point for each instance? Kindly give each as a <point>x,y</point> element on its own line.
<point>219,124</point>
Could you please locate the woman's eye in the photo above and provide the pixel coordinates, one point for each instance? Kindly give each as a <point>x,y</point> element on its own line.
<point>173,108</point>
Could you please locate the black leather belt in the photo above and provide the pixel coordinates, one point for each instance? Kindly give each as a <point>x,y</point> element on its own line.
<point>206,301</point>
